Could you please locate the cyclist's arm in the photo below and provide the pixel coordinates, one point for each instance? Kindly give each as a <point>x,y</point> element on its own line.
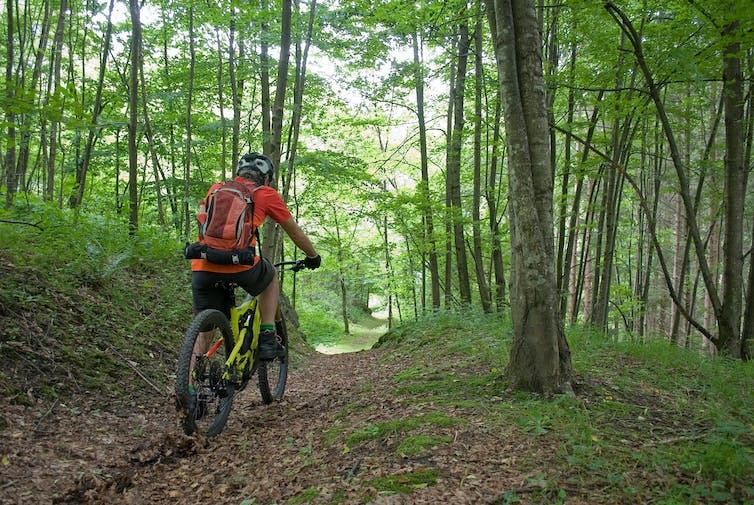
<point>297,235</point>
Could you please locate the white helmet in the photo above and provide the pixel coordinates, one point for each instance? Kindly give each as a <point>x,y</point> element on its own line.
<point>256,167</point>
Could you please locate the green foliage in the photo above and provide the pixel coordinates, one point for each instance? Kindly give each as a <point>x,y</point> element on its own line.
<point>321,326</point>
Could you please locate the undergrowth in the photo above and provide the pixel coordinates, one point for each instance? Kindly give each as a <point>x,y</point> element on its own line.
<point>86,306</point>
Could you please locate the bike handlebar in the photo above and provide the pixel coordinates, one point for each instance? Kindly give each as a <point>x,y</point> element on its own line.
<point>295,265</point>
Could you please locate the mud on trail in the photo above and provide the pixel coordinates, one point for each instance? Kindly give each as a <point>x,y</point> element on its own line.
<point>106,450</point>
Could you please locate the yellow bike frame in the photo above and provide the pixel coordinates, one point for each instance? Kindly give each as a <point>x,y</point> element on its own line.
<point>238,361</point>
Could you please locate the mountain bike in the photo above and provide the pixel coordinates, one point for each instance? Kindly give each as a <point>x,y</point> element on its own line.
<point>207,383</point>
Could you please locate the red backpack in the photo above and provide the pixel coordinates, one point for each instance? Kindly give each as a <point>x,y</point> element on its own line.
<point>226,218</point>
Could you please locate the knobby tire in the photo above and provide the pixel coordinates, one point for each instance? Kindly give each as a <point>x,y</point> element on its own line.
<point>209,413</point>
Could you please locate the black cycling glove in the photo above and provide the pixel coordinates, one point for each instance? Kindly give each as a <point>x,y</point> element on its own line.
<point>313,262</point>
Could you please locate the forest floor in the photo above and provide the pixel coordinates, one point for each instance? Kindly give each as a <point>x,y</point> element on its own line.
<point>105,450</point>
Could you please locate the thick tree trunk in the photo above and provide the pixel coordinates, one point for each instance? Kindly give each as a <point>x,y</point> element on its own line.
<point>540,358</point>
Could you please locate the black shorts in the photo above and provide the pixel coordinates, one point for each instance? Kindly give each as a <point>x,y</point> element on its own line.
<point>210,289</point>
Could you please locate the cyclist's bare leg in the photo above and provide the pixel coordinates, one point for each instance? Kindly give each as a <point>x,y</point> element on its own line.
<point>201,345</point>
<point>268,300</point>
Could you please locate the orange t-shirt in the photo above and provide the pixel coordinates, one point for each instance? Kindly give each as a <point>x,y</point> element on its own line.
<point>267,202</point>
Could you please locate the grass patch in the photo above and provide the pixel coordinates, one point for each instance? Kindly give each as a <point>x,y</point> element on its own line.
<point>419,445</point>
<point>307,496</point>
<point>382,429</point>
<point>404,483</point>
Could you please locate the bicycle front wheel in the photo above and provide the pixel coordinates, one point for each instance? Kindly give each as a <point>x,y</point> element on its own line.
<point>274,374</point>
<point>204,398</point>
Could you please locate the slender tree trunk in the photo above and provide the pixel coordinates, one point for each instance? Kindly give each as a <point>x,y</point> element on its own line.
<point>133,106</point>
<point>484,291</point>
<point>24,149</point>
<point>149,134</point>
<point>725,327</point>
<point>271,244</point>
<point>448,277</point>
<point>82,169</point>
<point>11,175</point>
<point>493,199</point>
<point>187,225</point>
<point>735,195</point>
<point>236,90</point>
<point>298,102</point>
<point>426,198</point>
<point>563,259</point>
<point>454,168</point>
<point>221,106</point>
<point>57,48</point>
<point>573,229</point>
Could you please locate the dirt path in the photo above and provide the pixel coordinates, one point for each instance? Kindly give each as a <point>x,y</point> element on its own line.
<point>126,451</point>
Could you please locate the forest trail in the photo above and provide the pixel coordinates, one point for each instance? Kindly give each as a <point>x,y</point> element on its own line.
<point>304,449</point>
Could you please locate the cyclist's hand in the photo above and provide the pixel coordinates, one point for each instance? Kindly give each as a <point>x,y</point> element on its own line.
<point>313,262</point>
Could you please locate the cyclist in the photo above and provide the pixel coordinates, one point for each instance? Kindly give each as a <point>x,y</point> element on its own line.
<point>256,171</point>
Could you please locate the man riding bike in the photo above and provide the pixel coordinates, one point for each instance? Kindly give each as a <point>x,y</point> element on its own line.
<point>255,171</point>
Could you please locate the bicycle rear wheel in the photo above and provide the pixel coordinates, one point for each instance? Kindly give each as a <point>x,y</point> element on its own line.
<point>204,399</point>
<point>273,375</point>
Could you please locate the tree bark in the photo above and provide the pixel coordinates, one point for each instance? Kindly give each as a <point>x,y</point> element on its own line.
<point>454,168</point>
<point>270,246</point>
<point>735,191</point>
<point>481,277</point>
<point>133,106</point>
<point>11,175</point>
<point>540,358</point>
<point>430,242</point>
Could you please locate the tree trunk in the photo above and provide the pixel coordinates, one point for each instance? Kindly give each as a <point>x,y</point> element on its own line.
<point>82,168</point>
<point>26,129</point>
<point>57,47</point>
<point>454,168</point>
<point>133,106</point>
<point>221,106</point>
<point>11,175</point>
<point>493,197</point>
<point>298,101</point>
<point>236,90</point>
<point>484,291</point>
<point>540,358</point>
<point>424,193</point>
<point>270,247</point>
<point>735,192</point>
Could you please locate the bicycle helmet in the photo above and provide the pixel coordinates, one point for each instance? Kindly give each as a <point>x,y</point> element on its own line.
<point>256,167</point>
